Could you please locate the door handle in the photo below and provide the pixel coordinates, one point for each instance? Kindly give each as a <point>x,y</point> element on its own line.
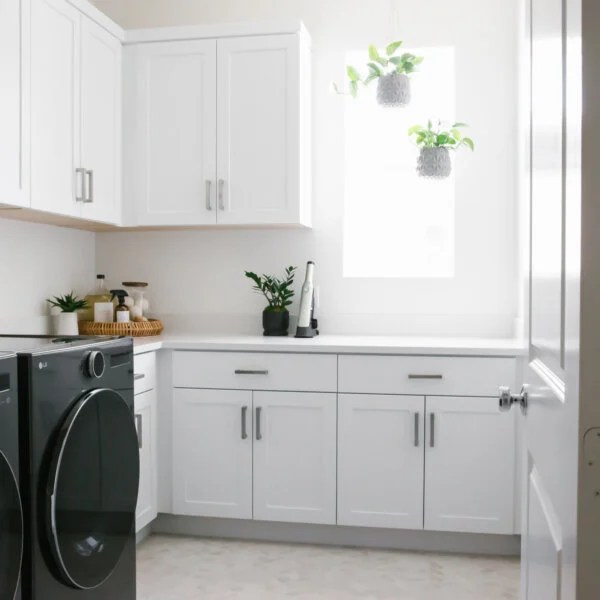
<point>80,185</point>
<point>507,399</point>
<point>208,198</point>
<point>139,429</point>
<point>138,376</point>
<point>417,419</point>
<point>244,430</point>
<point>90,187</point>
<point>221,194</point>
<point>251,372</point>
<point>425,376</point>
<point>431,430</point>
<point>258,415</point>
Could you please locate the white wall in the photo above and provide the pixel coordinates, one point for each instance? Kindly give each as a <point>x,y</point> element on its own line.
<point>200,273</point>
<point>36,262</point>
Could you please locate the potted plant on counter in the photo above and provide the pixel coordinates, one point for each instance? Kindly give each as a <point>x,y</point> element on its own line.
<point>279,293</point>
<point>392,72</point>
<point>64,313</point>
<point>434,145</point>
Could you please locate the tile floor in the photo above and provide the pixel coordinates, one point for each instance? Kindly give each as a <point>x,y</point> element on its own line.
<point>181,568</point>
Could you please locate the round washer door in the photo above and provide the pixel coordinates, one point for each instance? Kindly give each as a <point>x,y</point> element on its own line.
<point>11,531</point>
<point>92,489</point>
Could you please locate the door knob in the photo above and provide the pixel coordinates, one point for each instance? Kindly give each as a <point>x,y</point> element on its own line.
<point>507,399</point>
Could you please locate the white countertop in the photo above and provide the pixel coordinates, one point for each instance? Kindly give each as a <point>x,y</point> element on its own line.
<point>336,344</point>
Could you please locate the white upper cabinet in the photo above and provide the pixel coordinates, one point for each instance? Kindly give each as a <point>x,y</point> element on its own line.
<point>470,466</point>
<point>55,107</point>
<point>101,122</point>
<point>14,64</point>
<point>75,114</point>
<point>217,131</point>
<point>171,130</point>
<point>259,145</point>
<point>380,460</point>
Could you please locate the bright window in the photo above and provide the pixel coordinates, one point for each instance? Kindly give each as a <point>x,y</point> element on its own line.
<point>397,224</point>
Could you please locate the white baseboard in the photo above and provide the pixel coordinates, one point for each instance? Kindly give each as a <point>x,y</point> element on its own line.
<point>335,535</point>
<point>143,533</point>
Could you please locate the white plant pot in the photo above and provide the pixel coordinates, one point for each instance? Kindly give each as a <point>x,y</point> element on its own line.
<point>434,162</point>
<point>393,90</point>
<point>65,324</point>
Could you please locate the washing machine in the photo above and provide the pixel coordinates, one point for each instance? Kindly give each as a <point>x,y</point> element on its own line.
<point>79,467</point>
<point>11,512</point>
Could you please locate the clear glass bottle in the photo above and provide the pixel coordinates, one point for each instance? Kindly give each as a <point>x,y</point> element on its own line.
<point>98,294</point>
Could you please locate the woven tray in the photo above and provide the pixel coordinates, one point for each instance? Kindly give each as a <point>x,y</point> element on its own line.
<point>141,329</point>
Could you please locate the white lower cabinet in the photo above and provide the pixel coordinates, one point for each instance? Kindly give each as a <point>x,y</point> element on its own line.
<point>469,466</point>
<point>295,457</point>
<point>212,452</point>
<point>145,421</point>
<point>380,460</point>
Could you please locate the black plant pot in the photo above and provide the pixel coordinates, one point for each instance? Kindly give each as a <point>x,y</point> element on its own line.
<point>276,322</point>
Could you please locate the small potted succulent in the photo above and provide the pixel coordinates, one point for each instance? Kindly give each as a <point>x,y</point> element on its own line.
<point>278,292</point>
<point>64,313</point>
<point>391,70</point>
<point>434,145</point>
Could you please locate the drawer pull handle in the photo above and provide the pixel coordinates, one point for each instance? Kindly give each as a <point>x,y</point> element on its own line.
<point>424,376</point>
<point>138,376</point>
<point>138,426</point>
<point>417,430</point>
<point>251,372</point>
<point>244,431</point>
<point>258,431</point>
<point>432,430</point>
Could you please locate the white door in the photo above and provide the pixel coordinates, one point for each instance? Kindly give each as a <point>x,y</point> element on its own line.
<point>381,442</point>
<point>212,453</point>
<point>55,107</point>
<point>294,457</point>
<point>145,422</point>
<point>171,122</point>
<point>14,96</point>
<point>561,542</point>
<point>258,143</point>
<point>100,122</point>
<point>469,484</point>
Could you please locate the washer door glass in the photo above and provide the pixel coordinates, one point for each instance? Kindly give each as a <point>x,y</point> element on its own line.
<point>11,531</point>
<point>92,489</point>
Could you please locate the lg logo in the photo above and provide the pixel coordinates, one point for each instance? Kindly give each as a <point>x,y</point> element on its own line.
<point>42,365</point>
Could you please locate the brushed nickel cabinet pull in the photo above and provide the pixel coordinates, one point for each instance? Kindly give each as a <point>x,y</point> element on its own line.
<point>244,430</point>
<point>251,372</point>
<point>221,194</point>
<point>424,376</point>
<point>139,429</point>
<point>208,198</point>
<point>138,376</point>
<point>432,430</point>
<point>258,431</point>
<point>417,442</point>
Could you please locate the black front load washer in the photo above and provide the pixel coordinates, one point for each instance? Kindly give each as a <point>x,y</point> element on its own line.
<point>11,512</point>
<point>79,467</point>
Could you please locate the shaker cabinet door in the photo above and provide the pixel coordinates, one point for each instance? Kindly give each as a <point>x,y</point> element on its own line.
<point>170,162</point>
<point>380,460</point>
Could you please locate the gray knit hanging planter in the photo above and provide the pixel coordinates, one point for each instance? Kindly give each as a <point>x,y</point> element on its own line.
<point>393,90</point>
<point>434,163</point>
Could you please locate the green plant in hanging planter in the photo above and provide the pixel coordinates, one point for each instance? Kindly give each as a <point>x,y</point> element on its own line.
<point>278,293</point>
<point>435,143</point>
<point>391,70</point>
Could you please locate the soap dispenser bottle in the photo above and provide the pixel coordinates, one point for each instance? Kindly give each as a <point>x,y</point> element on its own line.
<point>122,310</point>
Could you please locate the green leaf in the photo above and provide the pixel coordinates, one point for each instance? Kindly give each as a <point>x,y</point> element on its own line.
<point>414,129</point>
<point>468,142</point>
<point>353,74</point>
<point>354,88</point>
<point>375,68</point>
<point>456,133</point>
<point>459,125</point>
<point>373,53</point>
<point>391,48</point>
<point>370,78</point>
<point>396,60</point>
<point>418,60</point>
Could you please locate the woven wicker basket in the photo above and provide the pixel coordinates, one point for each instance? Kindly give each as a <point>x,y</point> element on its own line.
<point>141,329</point>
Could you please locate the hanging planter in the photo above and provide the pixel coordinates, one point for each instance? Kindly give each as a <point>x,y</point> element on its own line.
<point>393,90</point>
<point>391,71</point>
<point>434,148</point>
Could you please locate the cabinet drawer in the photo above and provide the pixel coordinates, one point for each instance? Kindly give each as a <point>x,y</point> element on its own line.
<point>144,372</point>
<point>255,371</point>
<point>425,375</point>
